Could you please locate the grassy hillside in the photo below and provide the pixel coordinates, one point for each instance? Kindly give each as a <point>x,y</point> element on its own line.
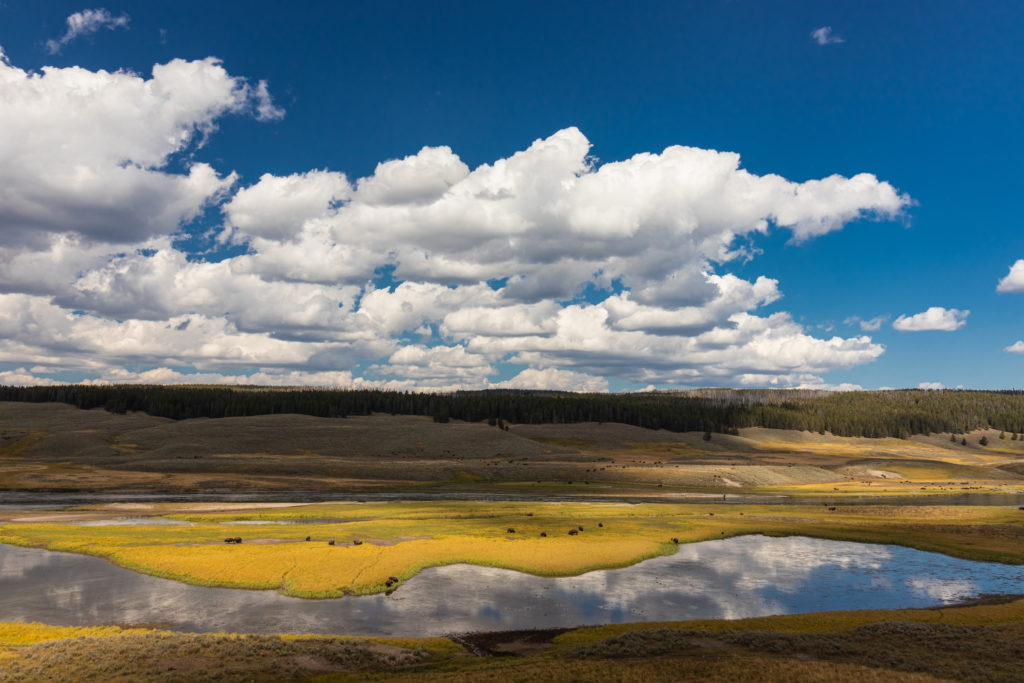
<point>53,446</point>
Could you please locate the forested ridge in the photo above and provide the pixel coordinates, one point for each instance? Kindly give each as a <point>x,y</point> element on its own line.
<point>898,413</point>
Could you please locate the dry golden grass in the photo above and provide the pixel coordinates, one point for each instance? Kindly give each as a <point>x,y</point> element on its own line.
<point>17,633</point>
<point>167,657</point>
<point>321,571</point>
<point>53,446</point>
<point>716,667</point>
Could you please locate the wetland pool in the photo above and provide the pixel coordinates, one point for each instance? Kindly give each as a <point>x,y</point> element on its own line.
<point>732,578</point>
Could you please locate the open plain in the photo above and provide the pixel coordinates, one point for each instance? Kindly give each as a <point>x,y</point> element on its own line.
<point>365,503</point>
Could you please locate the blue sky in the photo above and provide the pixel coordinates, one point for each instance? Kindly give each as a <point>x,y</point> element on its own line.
<point>233,279</point>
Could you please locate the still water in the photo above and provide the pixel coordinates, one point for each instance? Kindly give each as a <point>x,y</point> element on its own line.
<point>732,578</point>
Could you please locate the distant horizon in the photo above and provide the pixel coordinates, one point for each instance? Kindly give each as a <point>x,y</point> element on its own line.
<point>315,387</point>
<point>585,197</point>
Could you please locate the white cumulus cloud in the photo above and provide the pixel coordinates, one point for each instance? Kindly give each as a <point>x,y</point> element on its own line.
<point>550,221</point>
<point>580,271</point>
<point>935,318</point>
<point>1016,347</point>
<point>1014,280</point>
<point>86,152</point>
<point>276,207</point>
<point>84,23</point>
<point>554,379</point>
<point>23,378</point>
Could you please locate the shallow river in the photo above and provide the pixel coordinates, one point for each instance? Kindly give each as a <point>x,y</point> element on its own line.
<point>737,577</point>
<point>23,500</point>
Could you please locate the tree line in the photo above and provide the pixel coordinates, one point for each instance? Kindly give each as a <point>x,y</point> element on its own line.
<point>896,413</point>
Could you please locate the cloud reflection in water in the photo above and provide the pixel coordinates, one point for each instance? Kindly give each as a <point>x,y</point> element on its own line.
<point>731,578</point>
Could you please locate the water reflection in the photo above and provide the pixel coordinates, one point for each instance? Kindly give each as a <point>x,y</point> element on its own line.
<point>133,521</point>
<point>732,578</point>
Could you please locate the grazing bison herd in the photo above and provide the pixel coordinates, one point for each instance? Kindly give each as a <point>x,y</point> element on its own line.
<point>572,532</point>
<point>393,580</point>
<point>356,541</point>
<point>544,534</point>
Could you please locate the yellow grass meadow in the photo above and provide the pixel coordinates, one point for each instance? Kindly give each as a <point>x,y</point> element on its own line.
<point>16,633</point>
<point>399,539</point>
<point>321,571</point>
